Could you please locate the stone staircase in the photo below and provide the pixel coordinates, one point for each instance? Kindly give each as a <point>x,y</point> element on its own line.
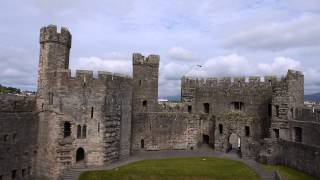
<point>74,172</point>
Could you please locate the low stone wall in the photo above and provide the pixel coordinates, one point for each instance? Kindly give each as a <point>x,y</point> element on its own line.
<point>300,156</point>
<point>294,155</point>
<point>18,137</point>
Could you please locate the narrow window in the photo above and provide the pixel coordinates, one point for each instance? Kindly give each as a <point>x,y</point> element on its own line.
<point>276,133</point>
<point>67,129</point>
<point>220,128</point>
<point>79,131</point>
<point>91,112</point>
<point>270,83</point>
<point>269,110</point>
<point>42,106</point>
<point>238,105</point>
<point>277,110</point>
<point>292,113</point>
<point>298,134</point>
<point>142,143</point>
<point>5,138</point>
<point>140,83</point>
<point>189,109</point>
<point>98,127</point>
<point>84,131</point>
<point>247,131</point>
<point>15,105</point>
<point>50,98</point>
<point>206,108</point>
<point>144,103</point>
<point>23,172</point>
<point>14,136</point>
<point>13,174</point>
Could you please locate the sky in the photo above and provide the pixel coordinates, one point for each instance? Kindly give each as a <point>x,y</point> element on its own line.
<point>227,38</point>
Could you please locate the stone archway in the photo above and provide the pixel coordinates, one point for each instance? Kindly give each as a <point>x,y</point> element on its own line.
<point>80,155</point>
<point>234,143</point>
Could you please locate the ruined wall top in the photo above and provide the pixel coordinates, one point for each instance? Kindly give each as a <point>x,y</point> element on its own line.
<point>14,103</point>
<point>50,34</point>
<point>139,59</point>
<point>240,80</point>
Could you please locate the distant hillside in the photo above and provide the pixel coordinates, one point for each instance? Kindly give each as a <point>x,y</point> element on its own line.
<point>312,97</point>
<point>5,90</point>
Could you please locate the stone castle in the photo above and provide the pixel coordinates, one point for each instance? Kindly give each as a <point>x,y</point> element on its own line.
<point>98,120</point>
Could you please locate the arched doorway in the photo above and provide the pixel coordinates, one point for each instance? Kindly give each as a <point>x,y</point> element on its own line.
<point>80,155</point>
<point>234,143</point>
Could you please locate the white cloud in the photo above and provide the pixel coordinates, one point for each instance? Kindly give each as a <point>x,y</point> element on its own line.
<point>173,71</point>
<point>299,32</point>
<point>235,65</point>
<point>98,64</point>
<point>279,65</point>
<point>180,53</point>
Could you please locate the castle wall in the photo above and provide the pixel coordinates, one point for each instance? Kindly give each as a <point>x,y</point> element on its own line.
<point>302,157</point>
<point>163,131</point>
<point>84,120</point>
<point>234,104</point>
<point>18,136</point>
<point>102,104</point>
<point>298,156</point>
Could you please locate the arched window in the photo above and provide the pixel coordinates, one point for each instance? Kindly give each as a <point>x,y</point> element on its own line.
<point>142,143</point>
<point>84,131</point>
<point>67,129</point>
<point>79,131</point>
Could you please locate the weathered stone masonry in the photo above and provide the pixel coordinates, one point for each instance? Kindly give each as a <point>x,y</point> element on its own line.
<point>84,120</point>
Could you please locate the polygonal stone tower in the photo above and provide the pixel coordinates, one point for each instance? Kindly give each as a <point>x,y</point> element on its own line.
<point>145,82</point>
<point>144,96</point>
<point>54,57</point>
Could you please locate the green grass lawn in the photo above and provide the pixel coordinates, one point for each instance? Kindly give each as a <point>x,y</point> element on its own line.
<point>288,173</point>
<point>178,168</point>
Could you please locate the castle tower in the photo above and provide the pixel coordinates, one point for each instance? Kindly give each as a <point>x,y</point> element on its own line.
<point>145,82</point>
<point>54,55</point>
<point>287,100</point>
<point>144,97</point>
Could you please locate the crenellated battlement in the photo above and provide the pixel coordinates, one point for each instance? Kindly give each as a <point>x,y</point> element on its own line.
<point>86,76</point>
<point>139,59</point>
<point>240,80</point>
<point>50,34</point>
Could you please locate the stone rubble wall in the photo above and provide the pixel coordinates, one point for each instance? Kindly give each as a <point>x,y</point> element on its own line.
<point>18,136</point>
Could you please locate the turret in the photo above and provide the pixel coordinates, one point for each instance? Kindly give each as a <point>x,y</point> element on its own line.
<point>145,82</point>
<point>54,55</point>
